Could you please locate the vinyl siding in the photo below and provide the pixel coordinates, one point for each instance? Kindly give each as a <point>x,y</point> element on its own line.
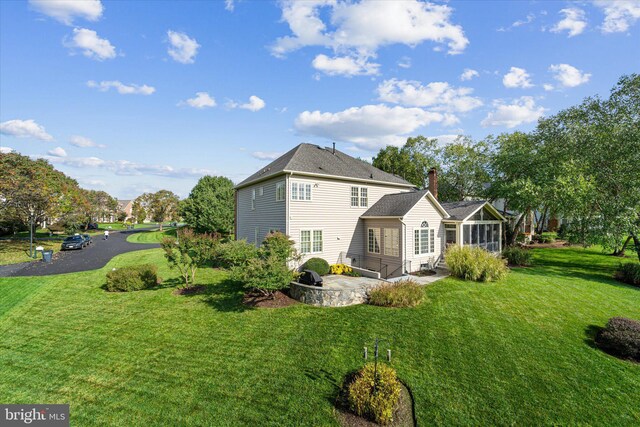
<point>423,211</point>
<point>330,211</point>
<point>373,261</point>
<point>268,214</point>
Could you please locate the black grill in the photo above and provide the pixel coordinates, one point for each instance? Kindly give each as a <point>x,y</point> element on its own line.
<point>310,277</point>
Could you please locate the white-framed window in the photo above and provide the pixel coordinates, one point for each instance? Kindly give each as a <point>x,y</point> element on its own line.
<point>300,191</point>
<point>253,199</point>
<point>392,242</point>
<point>359,197</point>
<point>354,197</point>
<point>280,191</point>
<point>373,244</point>
<point>256,234</point>
<point>310,241</point>
<point>424,240</point>
<point>261,191</point>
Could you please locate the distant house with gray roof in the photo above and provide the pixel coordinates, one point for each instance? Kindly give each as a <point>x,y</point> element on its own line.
<point>345,210</point>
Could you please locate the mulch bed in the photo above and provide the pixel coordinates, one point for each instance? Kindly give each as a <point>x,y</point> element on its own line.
<point>556,244</point>
<point>402,416</point>
<point>191,290</point>
<point>424,273</point>
<point>278,299</point>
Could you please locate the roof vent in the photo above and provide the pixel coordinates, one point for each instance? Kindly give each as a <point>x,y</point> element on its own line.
<point>371,176</point>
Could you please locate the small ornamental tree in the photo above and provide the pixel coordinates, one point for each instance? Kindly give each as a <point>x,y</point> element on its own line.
<point>189,252</point>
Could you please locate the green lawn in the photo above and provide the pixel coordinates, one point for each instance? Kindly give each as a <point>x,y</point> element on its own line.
<point>153,236</point>
<point>514,352</point>
<point>15,251</point>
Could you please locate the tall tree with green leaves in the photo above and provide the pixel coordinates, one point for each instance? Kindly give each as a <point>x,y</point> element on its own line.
<point>412,161</point>
<point>464,170</point>
<point>210,206</point>
<point>163,206</point>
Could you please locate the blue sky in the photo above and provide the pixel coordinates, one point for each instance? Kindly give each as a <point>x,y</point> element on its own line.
<point>129,97</point>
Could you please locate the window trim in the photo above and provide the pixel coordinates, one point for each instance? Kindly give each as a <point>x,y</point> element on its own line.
<point>301,185</point>
<point>418,241</point>
<point>253,199</point>
<point>394,251</point>
<point>281,191</point>
<point>359,197</point>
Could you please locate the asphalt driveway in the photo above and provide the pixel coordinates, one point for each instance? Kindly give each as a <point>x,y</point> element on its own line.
<point>95,256</point>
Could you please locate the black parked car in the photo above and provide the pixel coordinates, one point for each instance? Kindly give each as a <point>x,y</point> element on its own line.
<point>87,239</point>
<point>73,242</point>
<point>92,226</point>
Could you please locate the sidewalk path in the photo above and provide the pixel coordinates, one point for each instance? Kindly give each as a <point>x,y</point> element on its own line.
<point>94,256</point>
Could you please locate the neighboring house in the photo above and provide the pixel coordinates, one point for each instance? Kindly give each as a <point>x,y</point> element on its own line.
<point>126,206</point>
<point>345,210</point>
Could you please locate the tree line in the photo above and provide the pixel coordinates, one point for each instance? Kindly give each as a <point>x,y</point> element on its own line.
<point>582,164</point>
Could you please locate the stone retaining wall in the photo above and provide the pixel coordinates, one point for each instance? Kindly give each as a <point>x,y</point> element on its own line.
<point>331,297</point>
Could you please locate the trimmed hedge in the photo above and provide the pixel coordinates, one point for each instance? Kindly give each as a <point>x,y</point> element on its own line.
<point>376,405</point>
<point>132,278</point>
<point>318,265</point>
<point>517,256</point>
<point>629,273</point>
<point>621,337</point>
<point>404,293</point>
<point>475,264</point>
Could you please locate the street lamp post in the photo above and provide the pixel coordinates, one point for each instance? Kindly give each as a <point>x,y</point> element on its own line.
<point>31,254</point>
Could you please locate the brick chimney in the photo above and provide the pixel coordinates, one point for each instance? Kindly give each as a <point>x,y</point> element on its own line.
<point>433,182</point>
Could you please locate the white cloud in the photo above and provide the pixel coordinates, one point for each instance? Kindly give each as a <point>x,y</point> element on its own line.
<point>123,89</point>
<point>6,150</point>
<point>83,142</point>
<point>359,29</point>
<point>66,11</point>
<point>91,45</point>
<point>24,129</point>
<point>266,155</point>
<point>345,66</point>
<point>569,76</point>
<point>547,87</point>
<point>405,62</point>
<point>57,152</point>
<point>522,110</point>
<point>445,139</point>
<point>574,22</point>
<point>370,126</point>
<point>229,5</point>
<point>201,100</point>
<point>468,74</point>
<point>439,96</point>
<point>128,168</point>
<point>619,15</point>
<point>519,23</point>
<point>517,77</point>
<point>182,47</point>
<point>255,104</point>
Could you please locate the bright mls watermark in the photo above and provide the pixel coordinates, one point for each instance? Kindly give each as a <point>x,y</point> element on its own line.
<point>34,415</point>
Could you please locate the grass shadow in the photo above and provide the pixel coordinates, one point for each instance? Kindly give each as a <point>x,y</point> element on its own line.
<point>591,333</point>
<point>224,296</point>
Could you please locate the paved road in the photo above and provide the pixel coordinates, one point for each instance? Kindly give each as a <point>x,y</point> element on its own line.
<point>95,256</point>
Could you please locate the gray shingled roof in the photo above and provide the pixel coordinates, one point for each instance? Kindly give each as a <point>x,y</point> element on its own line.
<point>395,205</point>
<point>460,210</point>
<point>310,158</point>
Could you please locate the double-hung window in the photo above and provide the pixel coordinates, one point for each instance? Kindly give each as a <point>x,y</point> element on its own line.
<point>300,191</point>
<point>310,241</point>
<point>392,242</point>
<point>359,197</point>
<point>253,199</point>
<point>374,241</point>
<point>280,191</point>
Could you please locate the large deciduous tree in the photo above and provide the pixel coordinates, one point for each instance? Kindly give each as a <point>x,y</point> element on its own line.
<point>412,161</point>
<point>159,206</point>
<point>210,206</point>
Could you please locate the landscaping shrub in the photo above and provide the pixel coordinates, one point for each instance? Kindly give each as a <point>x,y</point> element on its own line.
<point>475,264</point>
<point>375,404</point>
<point>563,232</point>
<point>621,337</point>
<point>132,278</point>
<point>189,252</point>
<point>318,265</point>
<point>404,293</point>
<point>517,256</point>
<point>235,253</point>
<point>543,238</point>
<point>629,273</point>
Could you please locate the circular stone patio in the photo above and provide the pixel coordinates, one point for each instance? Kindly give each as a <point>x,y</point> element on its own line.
<point>336,291</point>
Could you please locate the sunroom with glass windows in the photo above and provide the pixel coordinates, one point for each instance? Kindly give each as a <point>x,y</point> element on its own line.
<point>475,224</point>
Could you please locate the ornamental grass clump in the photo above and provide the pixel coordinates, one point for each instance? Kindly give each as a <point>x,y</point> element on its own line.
<point>404,293</point>
<point>475,264</point>
<point>517,256</point>
<point>621,337</point>
<point>374,393</point>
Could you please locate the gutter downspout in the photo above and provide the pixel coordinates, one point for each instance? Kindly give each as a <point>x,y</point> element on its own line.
<point>404,245</point>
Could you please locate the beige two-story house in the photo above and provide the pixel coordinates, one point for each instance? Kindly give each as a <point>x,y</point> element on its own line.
<point>344,210</point>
